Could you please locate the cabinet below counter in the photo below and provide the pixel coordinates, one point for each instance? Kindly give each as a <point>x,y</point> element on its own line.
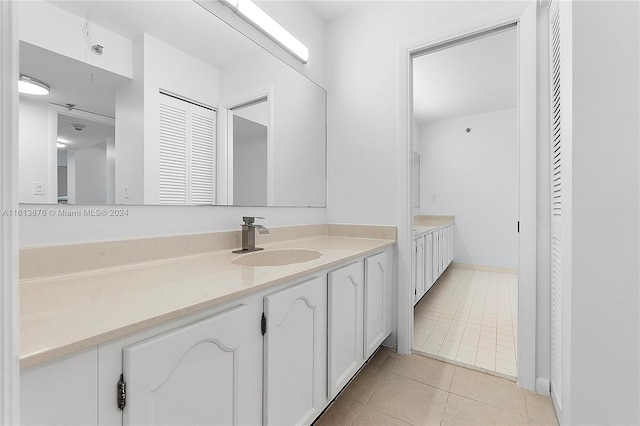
<point>272,348</point>
<point>433,253</point>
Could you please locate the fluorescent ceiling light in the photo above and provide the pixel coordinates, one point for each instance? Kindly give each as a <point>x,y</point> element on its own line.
<point>257,17</point>
<point>31,86</point>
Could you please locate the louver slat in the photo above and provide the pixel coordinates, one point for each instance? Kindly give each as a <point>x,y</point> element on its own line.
<point>187,152</point>
<point>172,178</point>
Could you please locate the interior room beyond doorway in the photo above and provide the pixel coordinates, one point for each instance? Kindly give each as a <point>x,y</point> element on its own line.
<point>465,142</point>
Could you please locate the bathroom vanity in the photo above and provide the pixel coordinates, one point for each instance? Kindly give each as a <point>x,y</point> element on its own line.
<point>205,339</point>
<point>432,251</point>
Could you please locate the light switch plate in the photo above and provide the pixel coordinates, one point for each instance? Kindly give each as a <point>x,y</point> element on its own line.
<point>38,188</point>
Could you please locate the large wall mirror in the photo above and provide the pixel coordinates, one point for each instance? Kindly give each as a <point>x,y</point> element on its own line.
<point>162,103</point>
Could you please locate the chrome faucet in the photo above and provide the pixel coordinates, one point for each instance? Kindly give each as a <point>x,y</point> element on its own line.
<point>249,234</point>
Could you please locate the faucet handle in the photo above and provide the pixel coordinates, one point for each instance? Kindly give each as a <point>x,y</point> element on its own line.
<point>248,220</point>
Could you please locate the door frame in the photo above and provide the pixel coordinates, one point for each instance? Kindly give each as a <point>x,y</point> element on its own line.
<point>525,19</point>
<point>54,112</point>
<point>9,321</point>
<point>225,149</point>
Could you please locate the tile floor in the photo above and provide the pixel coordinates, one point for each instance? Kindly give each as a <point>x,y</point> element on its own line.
<point>470,317</point>
<point>393,389</point>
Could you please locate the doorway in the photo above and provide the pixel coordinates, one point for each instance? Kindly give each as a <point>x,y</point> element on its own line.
<point>465,167</point>
<point>85,146</point>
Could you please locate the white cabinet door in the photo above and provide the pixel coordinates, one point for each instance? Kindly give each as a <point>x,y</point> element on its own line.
<point>449,244</point>
<point>418,269</point>
<point>203,373</point>
<point>428,261</point>
<point>437,253</point>
<point>295,353</point>
<point>345,325</point>
<point>376,302</point>
<point>61,392</point>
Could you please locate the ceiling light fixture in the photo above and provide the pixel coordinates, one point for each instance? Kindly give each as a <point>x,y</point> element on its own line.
<point>61,143</point>
<point>257,17</point>
<point>31,86</point>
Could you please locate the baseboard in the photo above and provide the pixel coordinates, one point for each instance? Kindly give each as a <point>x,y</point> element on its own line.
<point>543,386</point>
<point>485,268</point>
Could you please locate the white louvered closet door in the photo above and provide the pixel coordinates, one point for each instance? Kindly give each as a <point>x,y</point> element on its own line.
<point>187,152</point>
<point>558,187</point>
<point>172,178</point>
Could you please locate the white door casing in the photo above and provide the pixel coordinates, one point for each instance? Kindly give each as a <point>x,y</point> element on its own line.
<point>526,20</point>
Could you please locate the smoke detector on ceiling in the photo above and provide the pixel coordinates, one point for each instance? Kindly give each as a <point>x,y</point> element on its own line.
<point>78,127</point>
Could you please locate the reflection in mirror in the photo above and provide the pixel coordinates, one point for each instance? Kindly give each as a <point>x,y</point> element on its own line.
<point>174,95</point>
<point>86,158</point>
<point>415,180</point>
<point>249,144</point>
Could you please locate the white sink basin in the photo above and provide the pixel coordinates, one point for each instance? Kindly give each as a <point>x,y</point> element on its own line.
<point>277,257</point>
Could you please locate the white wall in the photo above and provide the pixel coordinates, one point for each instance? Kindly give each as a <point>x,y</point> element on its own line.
<point>169,69</point>
<point>36,154</point>
<point>474,176</point>
<point>362,56</point>
<point>605,295</point>
<point>129,132</point>
<point>296,129</point>
<point>91,174</point>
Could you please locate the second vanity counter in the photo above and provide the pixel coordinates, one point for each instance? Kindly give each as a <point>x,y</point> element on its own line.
<point>67,313</point>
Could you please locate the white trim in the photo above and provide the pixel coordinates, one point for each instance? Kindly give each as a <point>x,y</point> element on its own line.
<point>526,20</point>
<point>405,211</point>
<point>9,331</point>
<point>485,268</point>
<point>543,386</point>
<point>527,245</point>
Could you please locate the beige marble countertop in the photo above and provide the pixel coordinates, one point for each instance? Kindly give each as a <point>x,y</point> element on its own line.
<point>419,230</point>
<point>67,313</point>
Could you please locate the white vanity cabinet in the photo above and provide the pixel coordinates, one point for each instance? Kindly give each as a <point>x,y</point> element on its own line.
<point>61,392</point>
<point>360,298</point>
<point>418,269</point>
<point>432,254</point>
<point>428,262</point>
<point>199,374</point>
<point>378,297</point>
<point>346,325</point>
<point>295,353</point>
<point>277,356</point>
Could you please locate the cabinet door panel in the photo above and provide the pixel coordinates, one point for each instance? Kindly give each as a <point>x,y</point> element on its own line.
<point>428,261</point>
<point>376,302</point>
<point>192,376</point>
<point>61,392</point>
<point>419,269</point>
<point>345,325</point>
<point>295,382</point>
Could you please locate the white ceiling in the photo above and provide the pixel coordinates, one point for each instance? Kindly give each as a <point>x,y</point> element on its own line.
<point>331,9</point>
<point>184,25</point>
<point>93,89</point>
<point>93,133</point>
<point>89,88</point>
<point>472,78</point>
